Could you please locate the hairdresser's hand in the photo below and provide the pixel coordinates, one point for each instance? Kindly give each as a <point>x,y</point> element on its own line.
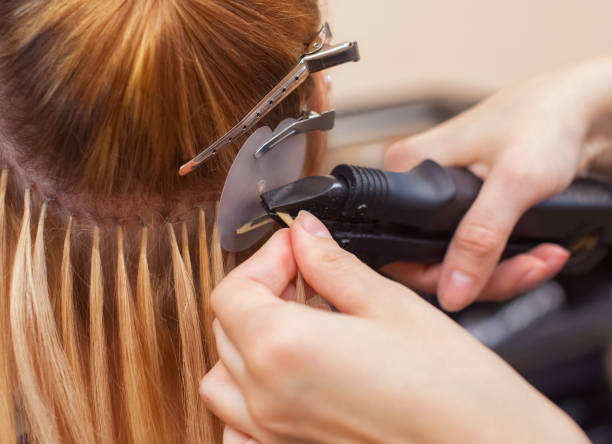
<point>528,142</point>
<point>389,368</point>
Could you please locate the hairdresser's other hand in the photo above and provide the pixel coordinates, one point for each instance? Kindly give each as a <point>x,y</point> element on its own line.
<point>528,142</point>
<point>388,368</point>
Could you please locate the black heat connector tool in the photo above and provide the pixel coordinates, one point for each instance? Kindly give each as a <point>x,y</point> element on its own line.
<point>384,217</point>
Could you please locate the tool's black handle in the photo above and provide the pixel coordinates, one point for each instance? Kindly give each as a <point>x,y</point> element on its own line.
<point>431,200</point>
<point>378,249</point>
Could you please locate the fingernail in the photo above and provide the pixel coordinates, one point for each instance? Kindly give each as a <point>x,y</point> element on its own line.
<point>531,279</point>
<point>459,290</point>
<point>534,276</point>
<point>558,260</point>
<point>312,225</point>
<point>460,280</point>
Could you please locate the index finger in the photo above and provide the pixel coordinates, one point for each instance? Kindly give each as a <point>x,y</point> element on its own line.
<point>257,282</point>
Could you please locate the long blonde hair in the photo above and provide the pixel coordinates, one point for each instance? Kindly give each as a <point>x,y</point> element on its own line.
<point>107,258</point>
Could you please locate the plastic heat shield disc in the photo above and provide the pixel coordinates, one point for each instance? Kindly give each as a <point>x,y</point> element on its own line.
<point>249,177</point>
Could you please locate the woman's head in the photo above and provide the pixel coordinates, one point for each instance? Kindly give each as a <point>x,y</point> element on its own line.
<point>109,97</point>
<point>107,256</point>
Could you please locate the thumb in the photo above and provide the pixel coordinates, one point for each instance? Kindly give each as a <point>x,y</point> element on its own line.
<point>478,243</point>
<point>338,276</point>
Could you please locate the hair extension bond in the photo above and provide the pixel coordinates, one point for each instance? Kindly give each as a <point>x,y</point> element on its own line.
<point>124,396</point>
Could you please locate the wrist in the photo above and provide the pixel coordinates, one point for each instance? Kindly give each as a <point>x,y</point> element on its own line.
<point>588,108</point>
<point>589,85</point>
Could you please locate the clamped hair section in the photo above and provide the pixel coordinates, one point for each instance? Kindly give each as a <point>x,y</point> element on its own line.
<point>319,56</point>
<point>311,121</point>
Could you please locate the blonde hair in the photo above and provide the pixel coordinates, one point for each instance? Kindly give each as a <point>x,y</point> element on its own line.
<point>107,259</point>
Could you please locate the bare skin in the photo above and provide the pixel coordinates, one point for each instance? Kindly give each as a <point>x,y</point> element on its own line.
<point>390,368</point>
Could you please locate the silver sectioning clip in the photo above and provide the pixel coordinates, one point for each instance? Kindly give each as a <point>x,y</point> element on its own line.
<point>319,55</point>
<point>311,121</point>
<point>322,38</point>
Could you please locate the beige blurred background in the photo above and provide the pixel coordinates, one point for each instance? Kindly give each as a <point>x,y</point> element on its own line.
<point>411,48</point>
<point>445,54</point>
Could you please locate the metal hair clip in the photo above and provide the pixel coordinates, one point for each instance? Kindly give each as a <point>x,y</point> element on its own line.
<point>311,121</point>
<point>319,55</point>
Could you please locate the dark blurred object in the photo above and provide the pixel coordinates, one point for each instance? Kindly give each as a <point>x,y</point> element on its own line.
<point>361,136</point>
<point>558,337</point>
<point>395,120</point>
